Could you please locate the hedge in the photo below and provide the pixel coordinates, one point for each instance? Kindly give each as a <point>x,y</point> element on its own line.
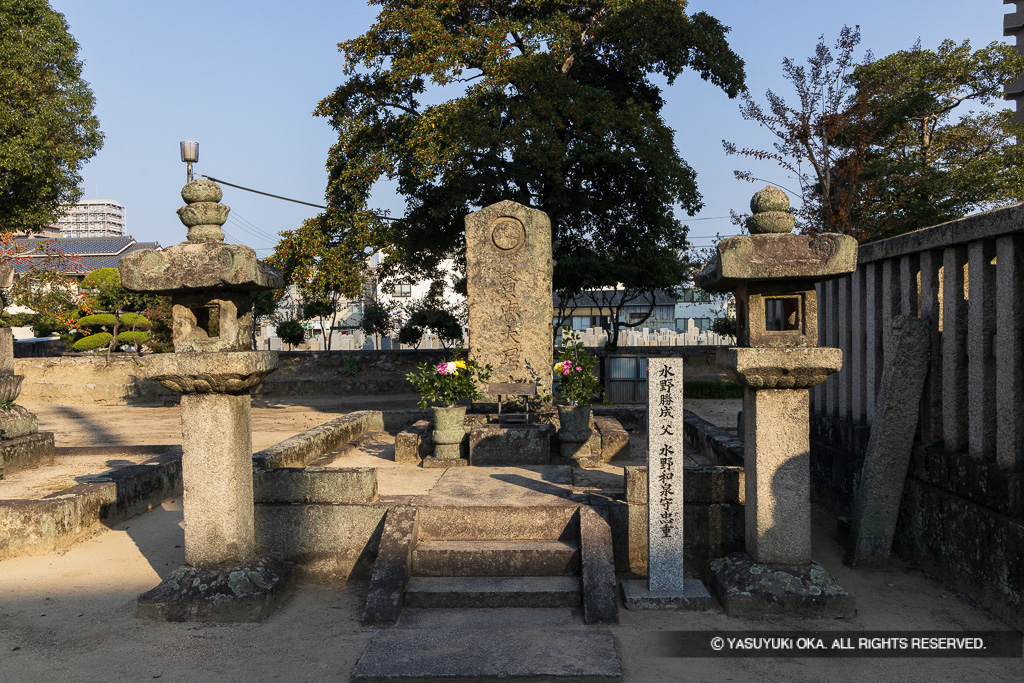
<point>98,320</point>
<point>133,338</point>
<point>134,320</point>
<point>100,340</point>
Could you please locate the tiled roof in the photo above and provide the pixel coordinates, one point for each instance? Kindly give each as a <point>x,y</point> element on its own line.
<point>90,252</point>
<point>82,245</point>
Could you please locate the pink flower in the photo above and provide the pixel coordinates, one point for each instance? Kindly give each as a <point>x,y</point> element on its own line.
<point>579,369</point>
<point>442,368</point>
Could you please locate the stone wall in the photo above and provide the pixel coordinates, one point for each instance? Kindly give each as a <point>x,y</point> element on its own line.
<point>961,519</point>
<point>118,378</point>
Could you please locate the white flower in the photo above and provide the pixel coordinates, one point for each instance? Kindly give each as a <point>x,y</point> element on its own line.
<point>451,368</point>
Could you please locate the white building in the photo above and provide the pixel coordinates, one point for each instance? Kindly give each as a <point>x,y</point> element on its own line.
<point>93,218</point>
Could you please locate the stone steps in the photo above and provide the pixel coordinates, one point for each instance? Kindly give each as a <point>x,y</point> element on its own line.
<point>491,592</point>
<point>495,558</point>
<point>462,523</point>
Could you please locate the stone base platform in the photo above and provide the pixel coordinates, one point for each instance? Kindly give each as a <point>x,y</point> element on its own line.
<point>489,443</point>
<point>746,588</point>
<point>24,452</point>
<point>230,594</point>
<point>430,462</point>
<point>695,597</point>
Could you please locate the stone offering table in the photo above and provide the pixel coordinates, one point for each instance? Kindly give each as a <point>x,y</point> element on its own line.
<point>777,360</point>
<point>214,367</point>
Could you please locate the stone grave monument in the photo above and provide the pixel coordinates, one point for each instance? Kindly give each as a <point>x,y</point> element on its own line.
<point>22,445</point>
<point>214,367</point>
<point>508,266</point>
<point>777,360</point>
<point>665,586</point>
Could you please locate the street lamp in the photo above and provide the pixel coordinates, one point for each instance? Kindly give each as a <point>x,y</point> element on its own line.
<point>189,154</point>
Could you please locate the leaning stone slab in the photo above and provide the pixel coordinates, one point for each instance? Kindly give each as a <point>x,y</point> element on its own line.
<point>327,485</point>
<point>746,588</point>
<point>892,439</point>
<point>391,569</point>
<point>597,567</point>
<point>247,593</point>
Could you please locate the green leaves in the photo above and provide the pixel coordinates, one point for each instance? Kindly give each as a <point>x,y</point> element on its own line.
<point>47,127</point>
<point>884,147</point>
<point>550,103</point>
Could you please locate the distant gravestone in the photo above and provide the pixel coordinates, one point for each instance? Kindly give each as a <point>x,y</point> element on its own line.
<point>508,264</point>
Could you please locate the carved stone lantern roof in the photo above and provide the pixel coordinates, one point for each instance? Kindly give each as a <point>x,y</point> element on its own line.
<point>211,285</point>
<point>772,254</point>
<point>773,273</point>
<point>203,263</point>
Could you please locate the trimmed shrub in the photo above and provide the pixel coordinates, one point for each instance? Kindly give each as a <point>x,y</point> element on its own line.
<point>98,320</point>
<point>100,340</point>
<point>291,332</point>
<point>135,339</point>
<point>136,320</point>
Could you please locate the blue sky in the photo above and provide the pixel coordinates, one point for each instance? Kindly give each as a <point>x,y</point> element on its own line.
<point>243,77</point>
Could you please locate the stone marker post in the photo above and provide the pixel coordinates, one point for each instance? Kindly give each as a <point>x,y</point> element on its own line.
<point>666,586</point>
<point>777,360</point>
<point>214,367</point>
<point>508,267</point>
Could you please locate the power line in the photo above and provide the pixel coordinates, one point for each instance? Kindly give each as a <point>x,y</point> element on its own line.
<point>289,199</point>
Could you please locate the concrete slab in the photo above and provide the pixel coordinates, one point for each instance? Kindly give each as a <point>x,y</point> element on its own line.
<point>411,655</point>
<point>538,485</point>
<point>637,596</point>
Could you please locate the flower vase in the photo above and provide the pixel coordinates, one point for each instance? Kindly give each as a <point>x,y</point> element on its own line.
<point>449,431</point>
<point>575,432</point>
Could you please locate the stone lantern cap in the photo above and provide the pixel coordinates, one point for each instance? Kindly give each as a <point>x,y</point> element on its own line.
<point>196,267</point>
<point>772,253</point>
<point>204,263</point>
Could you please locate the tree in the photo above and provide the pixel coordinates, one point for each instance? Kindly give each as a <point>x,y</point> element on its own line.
<point>377,321</point>
<point>823,141</point>
<point>553,104</point>
<point>43,285</point>
<point>103,285</point>
<point>431,313</point>
<point>873,146</point>
<point>47,127</point>
<point>933,161</point>
<point>291,332</point>
<point>321,267</point>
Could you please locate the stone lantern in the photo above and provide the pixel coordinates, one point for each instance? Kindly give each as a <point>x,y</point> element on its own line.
<point>214,367</point>
<point>22,445</point>
<point>777,359</point>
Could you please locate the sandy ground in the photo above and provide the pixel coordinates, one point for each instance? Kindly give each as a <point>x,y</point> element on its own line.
<point>70,616</point>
